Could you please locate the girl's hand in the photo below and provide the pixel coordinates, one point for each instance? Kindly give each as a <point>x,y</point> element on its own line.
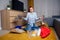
<point>42,18</point>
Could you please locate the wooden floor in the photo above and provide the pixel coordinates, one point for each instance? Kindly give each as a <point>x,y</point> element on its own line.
<point>24,36</point>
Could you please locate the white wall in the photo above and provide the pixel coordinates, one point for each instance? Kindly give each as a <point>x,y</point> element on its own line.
<point>3,4</point>
<point>40,7</point>
<point>53,7</point>
<point>59,7</point>
<point>47,7</point>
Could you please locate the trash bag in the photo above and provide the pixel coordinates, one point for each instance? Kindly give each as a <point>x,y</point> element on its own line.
<point>45,31</point>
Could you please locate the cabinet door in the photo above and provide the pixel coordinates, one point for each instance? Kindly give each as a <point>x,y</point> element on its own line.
<point>4,19</point>
<point>11,25</point>
<point>13,13</point>
<point>12,18</point>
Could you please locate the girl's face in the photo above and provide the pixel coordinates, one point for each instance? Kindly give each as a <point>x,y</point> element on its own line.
<point>31,9</point>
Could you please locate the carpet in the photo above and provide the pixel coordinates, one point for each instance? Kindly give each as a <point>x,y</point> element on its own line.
<point>24,36</point>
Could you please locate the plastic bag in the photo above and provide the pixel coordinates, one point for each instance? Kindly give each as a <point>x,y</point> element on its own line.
<point>45,31</point>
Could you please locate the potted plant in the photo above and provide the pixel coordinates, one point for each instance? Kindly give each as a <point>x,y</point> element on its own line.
<point>8,7</point>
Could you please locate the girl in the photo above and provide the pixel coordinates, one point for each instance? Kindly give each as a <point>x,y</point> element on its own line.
<point>31,18</point>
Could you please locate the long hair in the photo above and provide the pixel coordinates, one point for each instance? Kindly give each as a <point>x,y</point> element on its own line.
<point>29,8</point>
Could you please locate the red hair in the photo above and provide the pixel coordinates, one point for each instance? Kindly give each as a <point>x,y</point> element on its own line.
<point>29,8</point>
